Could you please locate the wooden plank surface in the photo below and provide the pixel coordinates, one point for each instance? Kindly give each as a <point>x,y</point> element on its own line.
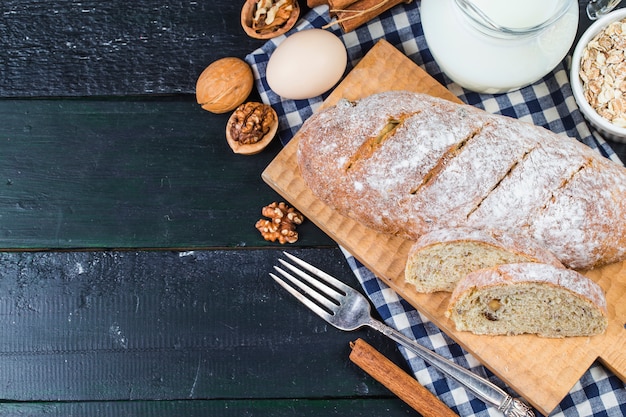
<point>224,408</point>
<point>131,326</point>
<point>133,173</point>
<point>535,367</point>
<point>90,48</point>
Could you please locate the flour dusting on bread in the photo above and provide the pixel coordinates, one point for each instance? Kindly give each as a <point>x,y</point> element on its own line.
<point>406,164</point>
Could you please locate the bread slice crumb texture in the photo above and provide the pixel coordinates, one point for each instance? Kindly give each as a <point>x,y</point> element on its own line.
<point>440,267</point>
<point>438,260</point>
<point>528,298</point>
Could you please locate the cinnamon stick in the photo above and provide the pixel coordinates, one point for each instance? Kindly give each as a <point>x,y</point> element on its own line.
<point>315,3</point>
<point>353,13</point>
<point>342,4</point>
<point>398,381</point>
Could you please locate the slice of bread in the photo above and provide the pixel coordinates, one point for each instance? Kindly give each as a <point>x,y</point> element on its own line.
<point>529,298</point>
<point>439,259</point>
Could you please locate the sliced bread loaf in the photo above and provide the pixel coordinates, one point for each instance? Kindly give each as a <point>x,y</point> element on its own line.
<point>406,164</point>
<point>439,259</point>
<point>528,298</point>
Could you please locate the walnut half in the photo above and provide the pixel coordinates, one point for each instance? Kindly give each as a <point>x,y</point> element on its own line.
<point>280,224</point>
<point>271,15</point>
<point>266,19</point>
<point>251,127</point>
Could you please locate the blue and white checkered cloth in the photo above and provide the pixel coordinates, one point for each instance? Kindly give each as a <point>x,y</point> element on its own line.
<point>548,103</point>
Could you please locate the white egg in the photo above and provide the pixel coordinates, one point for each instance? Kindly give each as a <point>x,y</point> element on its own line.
<point>306,64</point>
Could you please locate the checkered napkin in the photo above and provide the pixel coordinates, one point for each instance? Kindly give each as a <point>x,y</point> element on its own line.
<point>547,103</point>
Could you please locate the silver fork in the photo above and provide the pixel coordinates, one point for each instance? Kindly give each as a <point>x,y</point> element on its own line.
<point>347,309</point>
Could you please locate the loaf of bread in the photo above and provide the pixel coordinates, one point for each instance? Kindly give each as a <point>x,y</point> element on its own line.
<point>439,259</point>
<point>406,164</point>
<point>528,298</point>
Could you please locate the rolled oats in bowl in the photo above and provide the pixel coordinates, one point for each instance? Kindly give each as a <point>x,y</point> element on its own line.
<point>598,75</point>
<point>603,73</point>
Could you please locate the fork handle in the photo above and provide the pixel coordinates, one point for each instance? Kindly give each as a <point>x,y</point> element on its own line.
<point>482,388</point>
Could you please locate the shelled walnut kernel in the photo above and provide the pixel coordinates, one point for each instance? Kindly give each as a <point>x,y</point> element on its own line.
<point>251,121</point>
<point>280,224</point>
<point>271,15</point>
<point>251,127</point>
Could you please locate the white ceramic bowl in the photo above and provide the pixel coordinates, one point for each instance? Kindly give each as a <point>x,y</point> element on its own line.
<point>607,129</point>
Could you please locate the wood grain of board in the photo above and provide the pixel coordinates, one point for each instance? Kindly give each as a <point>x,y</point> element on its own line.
<point>541,370</point>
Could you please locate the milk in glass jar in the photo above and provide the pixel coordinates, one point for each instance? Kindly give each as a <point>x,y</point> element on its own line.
<point>496,46</point>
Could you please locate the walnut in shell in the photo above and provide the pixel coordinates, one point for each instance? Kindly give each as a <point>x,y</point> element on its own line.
<point>224,85</point>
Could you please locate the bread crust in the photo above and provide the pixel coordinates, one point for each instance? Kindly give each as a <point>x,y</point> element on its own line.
<point>405,164</point>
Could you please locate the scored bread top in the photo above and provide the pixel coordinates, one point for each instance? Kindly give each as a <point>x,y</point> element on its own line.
<point>406,163</point>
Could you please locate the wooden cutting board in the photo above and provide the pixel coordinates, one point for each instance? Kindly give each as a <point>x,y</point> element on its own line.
<point>541,370</point>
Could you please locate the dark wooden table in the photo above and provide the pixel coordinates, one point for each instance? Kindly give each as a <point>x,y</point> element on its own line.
<point>132,279</point>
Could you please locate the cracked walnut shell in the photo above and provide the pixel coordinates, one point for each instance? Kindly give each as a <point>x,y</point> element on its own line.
<point>266,19</point>
<point>224,85</point>
<point>251,127</point>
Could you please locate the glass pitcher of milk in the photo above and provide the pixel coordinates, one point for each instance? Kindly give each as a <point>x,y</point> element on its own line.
<point>496,46</point>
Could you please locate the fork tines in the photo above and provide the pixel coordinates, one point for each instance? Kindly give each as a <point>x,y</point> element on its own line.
<point>315,288</point>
